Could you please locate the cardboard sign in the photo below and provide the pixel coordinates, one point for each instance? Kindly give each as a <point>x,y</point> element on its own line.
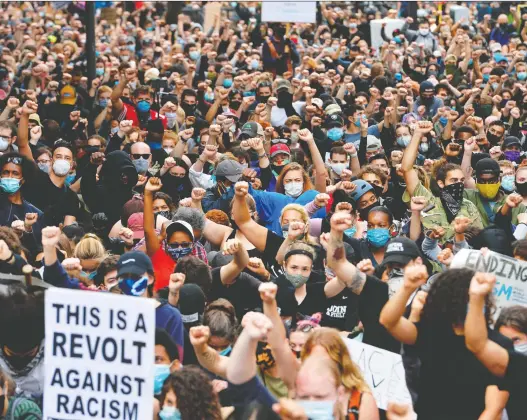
<point>511,275</point>
<point>99,353</point>
<point>383,371</point>
<point>289,11</point>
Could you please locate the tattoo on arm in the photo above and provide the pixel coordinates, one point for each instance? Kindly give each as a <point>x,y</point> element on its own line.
<point>358,280</point>
<point>209,357</point>
<point>338,253</point>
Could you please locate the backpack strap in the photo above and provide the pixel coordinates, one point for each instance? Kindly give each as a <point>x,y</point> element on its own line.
<point>354,404</point>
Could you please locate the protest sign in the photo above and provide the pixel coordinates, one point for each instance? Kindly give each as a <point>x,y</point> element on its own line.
<point>99,353</point>
<point>289,11</point>
<point>511,274</point>
<point>375,30</point>
<point>383,371</point>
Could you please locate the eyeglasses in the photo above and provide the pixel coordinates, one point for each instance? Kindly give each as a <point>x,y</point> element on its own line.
<point>180,244</point>
<point>276,141</point>
<point>141,155</point>
<point>15,160</point>
<point>305,328</point>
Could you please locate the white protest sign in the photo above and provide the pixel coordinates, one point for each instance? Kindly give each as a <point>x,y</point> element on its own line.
<point>289,11</point>
<point>375,30</point>
<point>383,371</point>
<point>511,275</point>
<point>99,353</point>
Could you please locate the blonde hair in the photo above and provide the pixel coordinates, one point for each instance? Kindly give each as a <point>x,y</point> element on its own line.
<point>330,340</point>
<point>103,89</point>
<point>305,218</point>
<point>90,247</point>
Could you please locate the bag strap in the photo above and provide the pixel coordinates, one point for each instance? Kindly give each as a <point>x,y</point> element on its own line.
<point>354,404</point>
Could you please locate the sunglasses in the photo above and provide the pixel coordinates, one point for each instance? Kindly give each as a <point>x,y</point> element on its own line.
<point>276,141</point>
<point>15,160</point>
<point>141,155</point>
<point>180,244</point>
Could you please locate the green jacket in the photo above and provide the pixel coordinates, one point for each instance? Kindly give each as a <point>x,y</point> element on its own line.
<point>492,206</point>
<point>22,408</point>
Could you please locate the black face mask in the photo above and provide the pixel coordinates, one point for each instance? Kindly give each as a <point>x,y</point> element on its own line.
<point>521,188</point>
<point>452,199</point>
<point>189,109</point>
<point>165,213</point>
<point>262,99</point>
<point>378,190</point>
<point>285,99</point>
<point>277,169</point>
<point>363,213</point>
<point>235,105</point>
<point>493,139</point>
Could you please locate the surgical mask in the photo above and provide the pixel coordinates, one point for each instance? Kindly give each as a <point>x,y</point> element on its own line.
<point>143,106</point>
<point>424,32</point>
<point>43,166</point>
<point>10,185</point>
<point>177,253</point>
<point>114,130</point>
<point>61,167</point>
<point>227,83</point>
<point>443,120</point>
<point>521,348</point>
<point>350,233</point>
<point>99,71</point>
<point>285,230</point>
<point>209,97</point>
<point>512,155</point>
<point>168,149</point>
<point>161,372</point>
<point>404,141</point>
<point>353,26</point>
<point>397,39</point>
<point>522,75</point>
<point>319,410</point>
<point>4,144</point>
<point>141,165</point>
<point>338,167</point>
<point>423,147</point>
<point>171,118</point>
<point>378,237</point>
<point>194,55</point>
<point>357,122</point>
<point>125,58</point>
<point>132,287</point>
<point>488,191</point>
<point>255,64</point>
<point>131,48</point>
<point>335,133</point>
<point>294,137</point>
<point>486,77</point>
<point>494,86</point>
<point>170,413</point>
<point>226,351</point>
<point>297,280</point>
<point>507,183</point>
<point>103,102</point>
<point>294,189</point>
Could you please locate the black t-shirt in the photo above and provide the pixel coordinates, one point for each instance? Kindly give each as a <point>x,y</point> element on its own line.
<point>243,293</point>
<point>314,301</point>
<point>452,381</point>
<point>341,311</point>
<point>55,202</point>
<point>515,382</point>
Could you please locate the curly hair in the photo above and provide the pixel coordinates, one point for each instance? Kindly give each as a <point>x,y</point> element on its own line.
<point>447,299</point>
<point>196,400</point>
<point>308,185</point>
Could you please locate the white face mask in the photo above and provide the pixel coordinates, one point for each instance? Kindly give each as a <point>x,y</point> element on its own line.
<point>294,189</point>
<point>168,149</point>
<point>338,167</point>
<point>424,32</point>
<point>521,348</point>
<point>61,167</point>
<point>4,144</point>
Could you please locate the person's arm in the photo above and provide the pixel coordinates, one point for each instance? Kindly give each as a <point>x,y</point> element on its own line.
<point>152,241</point>
<point>392,315</point>
<point>127,76</point>
<point>230,272</point>
<point>410,154</point>
<point>207,357</point>
<point>215,233</point>
<point>213,110</point>
<point>466,163</point>
<point>494,357</point>
<point>285,361</point>
<point>495,402</point>
<point>318,161</point>
<point>241,366</point>
<point>254,233</point>
<point>54,273</point>
<point>29,108</point>
<point>417,204</point>
<point>296,231</point>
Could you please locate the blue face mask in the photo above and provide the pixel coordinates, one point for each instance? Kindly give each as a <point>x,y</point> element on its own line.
<point>249,93</point>
<point>70,179</point>
<point>10,185</point>
<point>486,77</point>
<point>141,165</point>
<point>320,410</point>
<point>522,75</point>
<point>226,352</point>
<point>350,233</point>
<point>255,64</point>
<point>443,120</point>
<point>103,102</point>
<point>177,253</point>
<point>170,413</point>
<point>357,122</point>
<point>494,86</point>
<point>398,77</point>
<point>209,97</point>
<point>335,133</point>
<point>99,71</point>
<point>397,39</point>
<point>131,48</point>
<point>378,237</point>
<point>194,55</point>
<point>143,106</point>
<point>132,287</point>
<point>507,183</point>
<point>227,83</point>
<point>91,275</point>
<point>161,372</point>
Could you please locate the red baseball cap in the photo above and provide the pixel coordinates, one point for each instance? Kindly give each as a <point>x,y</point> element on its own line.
<point>135,224</point>
<point>280,148</point>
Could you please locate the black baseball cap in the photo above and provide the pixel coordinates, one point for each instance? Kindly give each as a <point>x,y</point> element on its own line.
<point>134,262</point>
<point>400,250</point>
<point>191,303</point>
<point>487,166</point>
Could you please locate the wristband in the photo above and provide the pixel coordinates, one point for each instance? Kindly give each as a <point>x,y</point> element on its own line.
<point>354,155</point>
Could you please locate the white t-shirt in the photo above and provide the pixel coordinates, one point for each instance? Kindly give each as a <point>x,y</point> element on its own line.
<point>278,115</point>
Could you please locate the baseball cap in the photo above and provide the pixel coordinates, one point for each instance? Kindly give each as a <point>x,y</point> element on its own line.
<point>135,224</point>
<point>487,166</point>
<point>500,57</point>
<point>373,143</point>
<point>317,102</point>
<point>180,226</point>
<point>283,84</point>
<point>35,118</point>
<point>229,169</point>
<point>191,303</point>
<point>400,250</point>
<point>251,129</point>
<point>134,262</point>
<point>151,74</point>
<point>134,205</point>
<point>334,120</point>
<point>495,47</point>
<point>68,95</point>
<point>279,148</point>
<point>362,188</point>
<point>510,141</point>
<point>332,109</point>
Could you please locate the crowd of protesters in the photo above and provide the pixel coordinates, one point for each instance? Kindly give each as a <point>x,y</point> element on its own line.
<point>278,189</point>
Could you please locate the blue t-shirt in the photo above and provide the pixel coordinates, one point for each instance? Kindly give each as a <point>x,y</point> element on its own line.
<point>355,138</point>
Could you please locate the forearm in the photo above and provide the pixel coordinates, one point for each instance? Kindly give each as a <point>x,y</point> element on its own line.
<point>476,334</point>
<point>333,287</point>
<point>343,269</point>
<point>242,363</point>
<point>394,309</point>
<point>211,113</point>
<point>318,163</point>
<point>173,297</point>
<point>23,137</point>
<point>6,113</point>
<point>415,226</point>
<point>466,165</point>
<point>282,250</point>
<point>179,149</point>
<point>410,153</point>
<point>118,90</point>
<point>209,359</point>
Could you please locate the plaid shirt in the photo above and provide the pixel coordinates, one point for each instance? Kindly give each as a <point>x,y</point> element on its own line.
<point>199,251</point>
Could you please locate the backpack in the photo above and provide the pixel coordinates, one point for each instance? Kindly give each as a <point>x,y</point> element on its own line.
<point>14,406</point>
<point>354,405</point>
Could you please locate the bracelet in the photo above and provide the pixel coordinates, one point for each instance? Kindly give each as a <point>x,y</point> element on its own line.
<point>354,155</point>
<point>262,155</point>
